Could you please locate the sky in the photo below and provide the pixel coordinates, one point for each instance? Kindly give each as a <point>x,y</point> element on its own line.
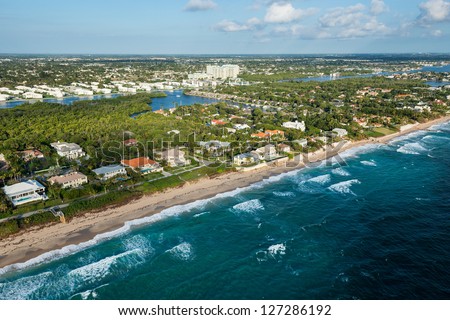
<point>224,26</point>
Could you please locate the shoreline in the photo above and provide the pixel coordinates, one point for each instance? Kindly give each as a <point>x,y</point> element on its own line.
<point>37,241</point>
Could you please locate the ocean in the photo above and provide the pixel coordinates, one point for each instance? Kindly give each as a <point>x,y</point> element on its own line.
<point>376,226</point>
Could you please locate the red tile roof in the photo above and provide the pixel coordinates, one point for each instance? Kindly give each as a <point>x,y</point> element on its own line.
<point>139,162</point>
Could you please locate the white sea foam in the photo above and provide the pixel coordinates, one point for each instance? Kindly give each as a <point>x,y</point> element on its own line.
<point>200,214</point>
<point>440,126</point>
<point>100,269</point>
<point>433,138</point>
<point>323,179</point>
<point>344,187</point>
<point>251,206</point>
<point>138,242</point>
<point>414,148</point>
<point>183,251</point>
<point>370,163</point>
<point>288,194</point>
<point>341,172</point>
<point>23,288</point>
<point>277,249</point>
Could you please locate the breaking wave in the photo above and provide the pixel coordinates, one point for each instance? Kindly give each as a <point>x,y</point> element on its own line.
<point>344,187</point>
<point>288,194</point>
<point>370,163</point>
<point>412,148</point>
<point>183,251</point>
<point>251,206</point>
<point>341,172</point>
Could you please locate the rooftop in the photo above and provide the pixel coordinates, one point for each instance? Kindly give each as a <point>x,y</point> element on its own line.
<point>108,169</point>
<point>23,187</point>
<point>139,162</point>
<point>67,178</point>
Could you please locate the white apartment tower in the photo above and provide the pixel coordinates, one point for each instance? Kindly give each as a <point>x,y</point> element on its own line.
<point>223,72</point>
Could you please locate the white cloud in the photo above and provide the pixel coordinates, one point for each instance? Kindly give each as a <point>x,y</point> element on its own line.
<point>200,5</point>
<point>435,11</point>
<point>437,33</point>
<point>284,12</point>
<point>378,6</point>
<point>233,26</point>
<point>230,26</point>
<point>341,17</point>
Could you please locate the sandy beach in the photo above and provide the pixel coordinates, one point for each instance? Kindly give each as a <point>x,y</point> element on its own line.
<point>36,241</point>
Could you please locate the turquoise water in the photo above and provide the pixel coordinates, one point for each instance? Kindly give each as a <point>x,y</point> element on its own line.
<point>375,228</point>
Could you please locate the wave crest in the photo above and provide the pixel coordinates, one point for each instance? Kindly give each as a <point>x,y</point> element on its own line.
<point>344,187</point>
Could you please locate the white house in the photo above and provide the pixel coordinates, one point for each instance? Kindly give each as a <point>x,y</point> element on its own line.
<point>239,126</point>
<point>268,152</point>
<point>108,172</point>
<point>68,150</point>
<point>283,147</point>
<point>174,157</point>
<point>245,159</point>
<point>25,192</point>
<point>71,180</point>
<point>301,142</point>
<point>295,125</point>
<point>340,132</point>
<point>32,95</point>
<point>4,97</point>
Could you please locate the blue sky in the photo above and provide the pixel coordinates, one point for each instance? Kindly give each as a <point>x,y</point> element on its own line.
<point>224,26</point>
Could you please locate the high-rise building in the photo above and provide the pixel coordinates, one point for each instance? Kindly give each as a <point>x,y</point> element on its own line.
<point>223,72</point>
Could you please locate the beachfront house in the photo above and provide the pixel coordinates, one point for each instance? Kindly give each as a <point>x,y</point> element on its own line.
<point>340,132</point>
<point>215,147</point>
<point>245,159</point>
<point>283,147</point>
<point>109,172</point>
<point>70,180</point>
<point>144,165</point>
<point>174,157</point>
<point>68,150</point>
<point>301,142</point>
<point>25,192</point>
<point>267,152</point>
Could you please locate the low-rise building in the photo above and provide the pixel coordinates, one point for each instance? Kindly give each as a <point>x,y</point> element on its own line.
<point>28,155</point>
<point>215,147</point>
<point>239,126</point>
<point>295,125</point>
<point>108,172</point>
<point>174,157</point>
<point>130,142</point>
<point>218,122</point>
<point>143,164</point>
<point>245,159</point>
<point>267,152</point>
<point>32,95</point>
<point>340,132</point>
<point>70,180</point>
<point>283,147</point>
<point>301,142</point>
<point>25,192</point>
<point>68,150</point>
<point>4,97</point>
<point>271,133</point>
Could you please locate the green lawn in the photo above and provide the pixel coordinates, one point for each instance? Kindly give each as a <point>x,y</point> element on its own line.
<point>384,131</point>
<point>379,132</point>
